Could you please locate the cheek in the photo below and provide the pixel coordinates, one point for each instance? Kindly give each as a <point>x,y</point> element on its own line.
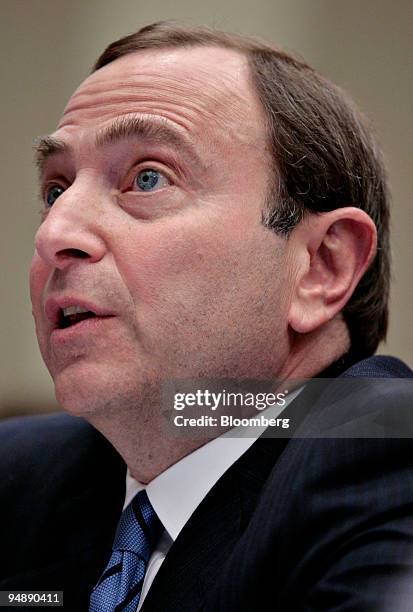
<point>192,263</point>
<point>38,277</point>
<point>172,256</point>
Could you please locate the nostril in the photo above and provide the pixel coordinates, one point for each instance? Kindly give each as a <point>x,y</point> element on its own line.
<point>60,243</point>
<point>70,253</point>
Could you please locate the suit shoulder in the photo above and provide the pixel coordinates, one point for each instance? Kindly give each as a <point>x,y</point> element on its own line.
<point>379,366</point>
<point>32,434</point>
<point>377,382</point>
<point>29,445</point>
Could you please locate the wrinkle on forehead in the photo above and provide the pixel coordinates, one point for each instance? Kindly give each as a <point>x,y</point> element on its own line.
<point>188,86</point>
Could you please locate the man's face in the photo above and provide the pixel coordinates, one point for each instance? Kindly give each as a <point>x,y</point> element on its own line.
<point>154,193</point>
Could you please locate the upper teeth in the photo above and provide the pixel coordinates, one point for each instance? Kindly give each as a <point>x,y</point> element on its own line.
<point>70,310</point>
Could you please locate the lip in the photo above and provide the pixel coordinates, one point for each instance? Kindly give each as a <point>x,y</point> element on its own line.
<point>82,328</point>
<point>54,306</point>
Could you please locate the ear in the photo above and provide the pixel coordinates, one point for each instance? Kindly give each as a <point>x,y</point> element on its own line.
<point>332,250</point>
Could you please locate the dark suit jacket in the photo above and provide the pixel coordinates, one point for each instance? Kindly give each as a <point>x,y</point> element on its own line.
<point>295,524</point>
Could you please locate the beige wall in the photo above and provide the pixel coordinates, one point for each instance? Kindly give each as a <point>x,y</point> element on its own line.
<point>48,47</point>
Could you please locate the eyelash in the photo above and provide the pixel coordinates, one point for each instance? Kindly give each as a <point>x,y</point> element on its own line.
<point>148,165</point>
<point>140,167</point>
<point>58,182</point>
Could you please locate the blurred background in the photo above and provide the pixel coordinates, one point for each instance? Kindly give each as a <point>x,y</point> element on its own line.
<point>48,48</point>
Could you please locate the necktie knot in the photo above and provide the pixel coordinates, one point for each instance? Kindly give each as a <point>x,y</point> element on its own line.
<point>139,527</point>
<point>120,585</point>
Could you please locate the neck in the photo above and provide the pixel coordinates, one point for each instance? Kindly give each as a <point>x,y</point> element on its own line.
<point>141,437</point>
<point>313,353</point>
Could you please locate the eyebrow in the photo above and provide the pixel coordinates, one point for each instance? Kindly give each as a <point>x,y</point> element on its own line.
<point>157,130</point>
<point>46,147</point>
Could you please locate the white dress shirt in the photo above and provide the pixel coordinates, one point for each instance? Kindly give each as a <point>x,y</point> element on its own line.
<point>175,493</point>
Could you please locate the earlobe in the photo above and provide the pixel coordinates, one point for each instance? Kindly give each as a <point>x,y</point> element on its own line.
<point>339,246</point>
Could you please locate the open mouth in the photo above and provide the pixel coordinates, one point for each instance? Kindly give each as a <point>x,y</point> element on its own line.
<point>72,315</point>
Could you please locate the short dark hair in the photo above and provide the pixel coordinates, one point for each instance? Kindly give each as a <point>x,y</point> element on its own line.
<point>325,156</point>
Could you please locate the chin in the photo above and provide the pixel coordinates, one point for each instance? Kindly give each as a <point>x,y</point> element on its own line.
<point>93,392</point>
<point>77,399</point>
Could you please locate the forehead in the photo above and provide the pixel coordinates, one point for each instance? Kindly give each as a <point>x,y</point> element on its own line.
<point>205,91</point>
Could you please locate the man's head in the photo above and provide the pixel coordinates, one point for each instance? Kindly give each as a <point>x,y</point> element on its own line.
<point>323,152</point>
<point>177,211</point>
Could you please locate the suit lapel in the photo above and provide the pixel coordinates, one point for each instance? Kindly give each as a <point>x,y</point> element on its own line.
<point>193,565</point>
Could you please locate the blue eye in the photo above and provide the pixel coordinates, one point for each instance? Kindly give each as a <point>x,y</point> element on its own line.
<point>52,194</point>
<point>150,180</point>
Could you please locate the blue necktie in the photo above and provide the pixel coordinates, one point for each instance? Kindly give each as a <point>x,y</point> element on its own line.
<point>120,586</point>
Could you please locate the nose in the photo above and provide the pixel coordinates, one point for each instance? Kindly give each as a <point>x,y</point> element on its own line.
<point>70,231</point>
